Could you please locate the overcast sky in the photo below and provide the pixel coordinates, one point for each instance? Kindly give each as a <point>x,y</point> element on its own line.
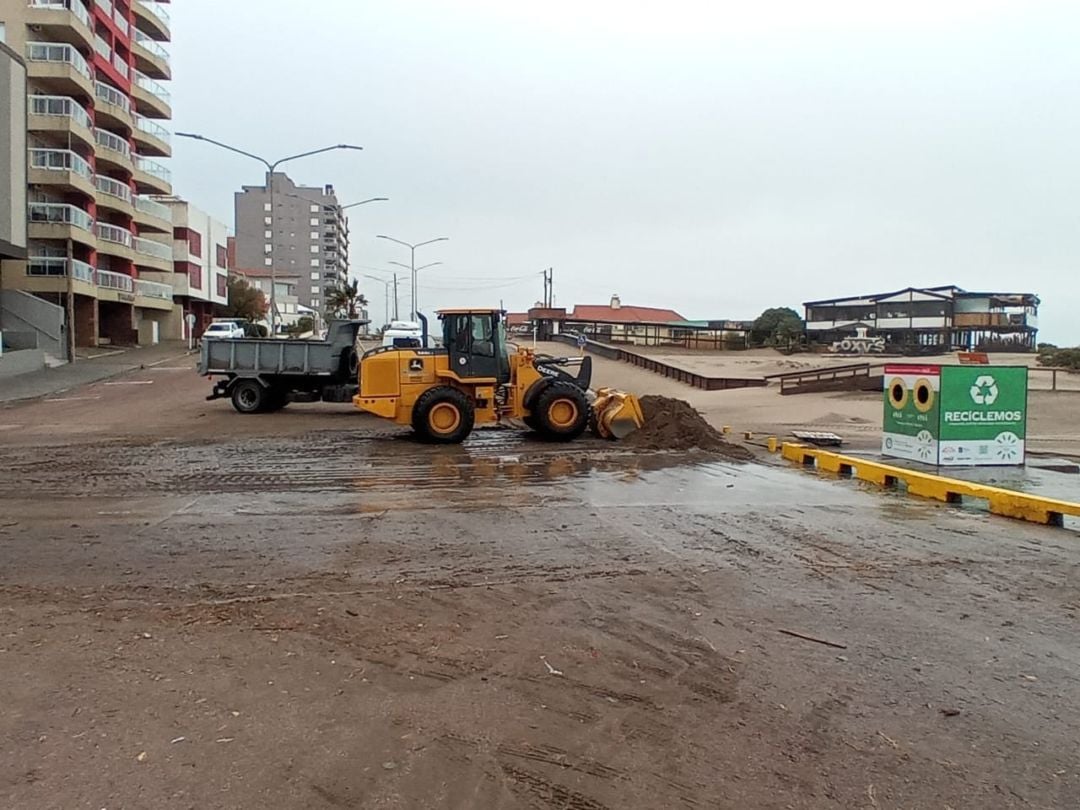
<point>713,157</point>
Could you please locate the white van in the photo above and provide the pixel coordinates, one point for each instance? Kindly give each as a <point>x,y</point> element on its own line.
<point>405,334</point>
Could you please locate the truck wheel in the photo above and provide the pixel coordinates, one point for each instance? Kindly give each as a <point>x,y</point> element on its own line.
<point>350,364</point>
<point>443,415</point>
<point>249,396</point>
<point>562,411</point>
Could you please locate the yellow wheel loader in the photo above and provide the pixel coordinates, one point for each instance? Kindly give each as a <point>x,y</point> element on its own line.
<point>473,379</point>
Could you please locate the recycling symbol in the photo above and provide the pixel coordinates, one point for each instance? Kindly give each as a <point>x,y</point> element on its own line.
<point>984,391</point>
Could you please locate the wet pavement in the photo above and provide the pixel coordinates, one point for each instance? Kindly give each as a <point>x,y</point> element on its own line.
<point>311,610</point>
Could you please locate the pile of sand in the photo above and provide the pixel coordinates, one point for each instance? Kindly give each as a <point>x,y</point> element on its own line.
<point>672,424</point>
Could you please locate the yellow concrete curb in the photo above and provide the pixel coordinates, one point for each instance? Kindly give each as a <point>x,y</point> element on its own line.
<point>1021,505</point>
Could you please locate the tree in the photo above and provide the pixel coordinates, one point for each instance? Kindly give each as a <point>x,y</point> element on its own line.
<point>344,300</point>
<point>303,325</point>
<point>245,301</point>
<point>777,326</point>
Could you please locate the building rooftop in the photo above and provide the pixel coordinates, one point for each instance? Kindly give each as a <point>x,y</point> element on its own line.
<point>620,313</point>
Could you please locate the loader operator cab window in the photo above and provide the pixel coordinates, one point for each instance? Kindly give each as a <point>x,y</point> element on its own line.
<point>476,343</point>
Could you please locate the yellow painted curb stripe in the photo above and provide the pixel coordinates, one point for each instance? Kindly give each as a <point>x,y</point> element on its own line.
<point>1021,505</point>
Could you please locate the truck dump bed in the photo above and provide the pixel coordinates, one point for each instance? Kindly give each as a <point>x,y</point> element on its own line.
<point>250,357</point>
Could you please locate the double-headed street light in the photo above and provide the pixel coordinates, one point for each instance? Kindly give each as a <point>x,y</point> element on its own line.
<point>412,261</point>
<point>271,166</point>
<point>387,285</point>
<point>415,272</point>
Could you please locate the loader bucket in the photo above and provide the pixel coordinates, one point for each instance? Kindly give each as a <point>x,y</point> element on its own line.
<point>618,414</point>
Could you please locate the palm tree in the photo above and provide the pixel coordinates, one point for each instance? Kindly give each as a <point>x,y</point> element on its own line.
<point>344,300</point>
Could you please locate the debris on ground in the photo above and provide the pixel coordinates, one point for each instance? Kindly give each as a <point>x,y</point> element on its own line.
<point>674,424</point>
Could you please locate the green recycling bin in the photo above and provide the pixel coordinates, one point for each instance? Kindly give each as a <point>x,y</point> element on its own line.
<point>955,415</point>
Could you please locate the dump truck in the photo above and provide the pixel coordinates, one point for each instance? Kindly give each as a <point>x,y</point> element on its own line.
<point>265,374</point>
<point>476,380</point>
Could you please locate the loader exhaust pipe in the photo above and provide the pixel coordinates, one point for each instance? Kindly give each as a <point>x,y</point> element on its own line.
<point>424,330</point>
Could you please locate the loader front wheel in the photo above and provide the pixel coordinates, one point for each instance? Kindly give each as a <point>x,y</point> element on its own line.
<point>561,412</point>
<point>443,415</point>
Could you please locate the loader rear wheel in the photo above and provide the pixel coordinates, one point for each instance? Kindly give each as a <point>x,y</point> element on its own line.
<point>561,412</point>
<point>443,415</point>
<point>249,396</point>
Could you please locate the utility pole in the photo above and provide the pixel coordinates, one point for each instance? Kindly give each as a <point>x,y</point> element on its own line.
<point>70,304</point>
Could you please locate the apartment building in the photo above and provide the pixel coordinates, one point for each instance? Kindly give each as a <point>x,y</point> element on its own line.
<point>95,140</point>
<point>200,273</point>
<point>12,154</point>
<point>930,319</point>
<point>285,285</point>
<point>305,237</point>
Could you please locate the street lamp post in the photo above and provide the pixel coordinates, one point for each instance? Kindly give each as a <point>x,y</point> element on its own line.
<point>271,166</point>
<point>415,272</point>
<point>412,260</point>
<point>386,287</point>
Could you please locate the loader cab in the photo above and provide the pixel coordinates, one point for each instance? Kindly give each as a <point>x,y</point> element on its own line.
<point>475,340</point>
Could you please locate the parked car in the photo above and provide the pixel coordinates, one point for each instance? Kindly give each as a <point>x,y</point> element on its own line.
<point>227,330</point>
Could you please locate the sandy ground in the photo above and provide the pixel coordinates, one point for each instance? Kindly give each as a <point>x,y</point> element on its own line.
<point>1053,426</point>
<point>766,362</point>
<point>307,609</point>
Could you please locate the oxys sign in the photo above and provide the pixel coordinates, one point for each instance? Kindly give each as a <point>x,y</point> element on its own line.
<point>955,415</point>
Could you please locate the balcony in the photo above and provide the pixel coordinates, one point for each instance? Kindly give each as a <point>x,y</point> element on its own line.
<point>60,221</point>
<point>112,107</point>
<point>62,21</point>
<point>152,100</point>
<point>114,240</point>
<point>154,290</point>
<point>59,68</point>
<point>151,177</point>
<point>63,168</point>
<point>154,255</point>
<point>112,149</point>
<point>152,216</point>
<point>121,22</point>
<point>120,65</point>
<point>152,19</point>
<point>150,57</point>
<point>114,195</point>
<point>50,274</point>
<point>151,138</point>
<point>108,280</point>
<point>61,115</point>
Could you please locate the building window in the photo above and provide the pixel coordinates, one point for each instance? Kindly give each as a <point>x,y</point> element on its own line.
<point>266,206</point>
<point>314,221</point>
<point>314,234</point>
<point>314,289</point>
<point>222,256</point>
<point>194,239</point>
<point>3,32</point>
<point>314,248</point>
<point>314,262</point>
<point>267,234</point>
<point>315,303</point>
<point>222,286</point>
<point>315,276</point>
<point>267,248</point>
<point>267,220</point>
<point>314,209</point>
<point>194,274</point>
<point>268,261</point>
